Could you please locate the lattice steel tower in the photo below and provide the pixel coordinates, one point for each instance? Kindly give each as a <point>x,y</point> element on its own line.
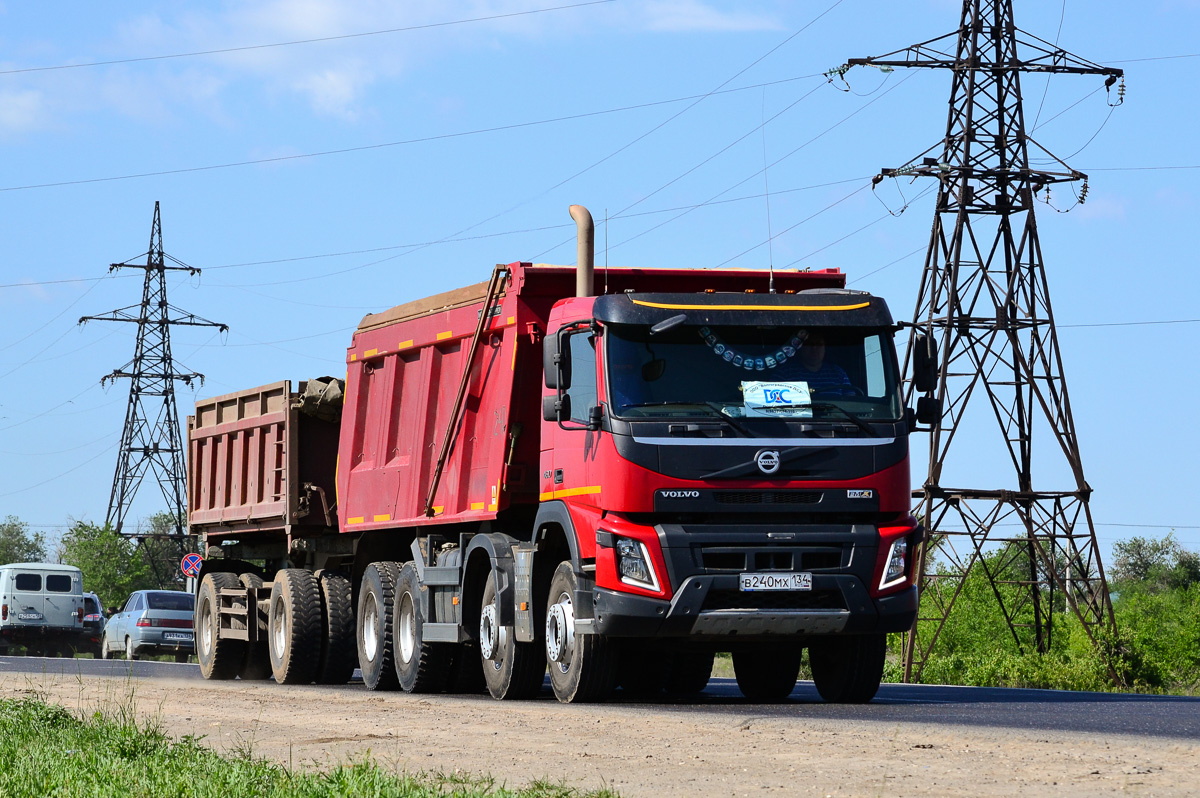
<point>151,440</point>
<point>985,301</point>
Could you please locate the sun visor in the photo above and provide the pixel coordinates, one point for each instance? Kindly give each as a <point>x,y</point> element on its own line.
<point>814,308</point>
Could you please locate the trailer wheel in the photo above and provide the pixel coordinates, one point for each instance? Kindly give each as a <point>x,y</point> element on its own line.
<point>848,670</point>
<point>337,642</point>
<point>512,670</point>
<point>294,626</point>
<point>767,676</point>
<point>374,626</point>
<point>582,667</point>
<point>220,657</point>
<point>420,667</point>
<point>688,672</point>
<point>256,664</point>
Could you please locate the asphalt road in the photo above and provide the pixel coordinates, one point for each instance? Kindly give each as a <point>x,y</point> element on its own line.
<point>1045,710</point>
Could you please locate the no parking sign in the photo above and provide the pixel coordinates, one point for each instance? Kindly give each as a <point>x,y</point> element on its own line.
<point>191,564</point>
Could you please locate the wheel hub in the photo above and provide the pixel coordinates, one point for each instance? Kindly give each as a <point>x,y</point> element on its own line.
<point>408,629</point>
<point>370,619</point>
<point>492,636</point>
<point>278,632</point>
<point>560,631</point>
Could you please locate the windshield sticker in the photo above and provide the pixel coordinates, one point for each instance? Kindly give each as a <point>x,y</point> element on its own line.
<point>777,399</point>
<point>738,360</point>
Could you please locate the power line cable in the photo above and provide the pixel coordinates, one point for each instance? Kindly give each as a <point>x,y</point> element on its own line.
<point>341,37</point>
<point>421,140</point>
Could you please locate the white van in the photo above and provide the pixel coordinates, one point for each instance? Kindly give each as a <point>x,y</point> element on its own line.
<point>41,608</point>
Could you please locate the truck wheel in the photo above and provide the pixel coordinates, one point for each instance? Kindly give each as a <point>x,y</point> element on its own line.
<point>511,670</point>
<point>420,667</point>
<point>767,676</point>
<point>848,670</point>
<point>688,672</point>
<point>220,657</point>
<point>294,626</point>
<point>256,663</point>
<point>582,667</point>
<point>374,626</point>
<point>337,641</point>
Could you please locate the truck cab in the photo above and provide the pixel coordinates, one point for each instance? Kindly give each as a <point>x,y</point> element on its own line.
<point>735,467</point>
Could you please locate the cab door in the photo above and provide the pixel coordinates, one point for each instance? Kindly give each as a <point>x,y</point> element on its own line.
<point>569,449</point>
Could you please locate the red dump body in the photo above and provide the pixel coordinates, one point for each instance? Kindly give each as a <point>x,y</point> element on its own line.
<point>403,372</point>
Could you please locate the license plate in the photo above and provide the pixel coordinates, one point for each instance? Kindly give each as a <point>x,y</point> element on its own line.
<point>29,616</point>
<point>177,636</point>
<point>798,581</point>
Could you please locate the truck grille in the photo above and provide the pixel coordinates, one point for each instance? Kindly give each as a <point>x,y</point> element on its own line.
<point>767,496</point>
<point>722,559</point>
<point>774,600</point>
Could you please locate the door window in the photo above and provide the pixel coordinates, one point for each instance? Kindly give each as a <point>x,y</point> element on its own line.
<point>583,376</point>
<point>29,583</point>
<point>58,583</point>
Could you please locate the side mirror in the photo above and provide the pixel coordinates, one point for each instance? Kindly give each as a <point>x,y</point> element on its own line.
<point>595,418</point>
<point>556,408</point>
<point>929,411</point>
<point>556,364</point>
<point>925,364</point>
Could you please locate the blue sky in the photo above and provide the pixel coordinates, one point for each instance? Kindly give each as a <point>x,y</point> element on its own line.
<point>297,247</point>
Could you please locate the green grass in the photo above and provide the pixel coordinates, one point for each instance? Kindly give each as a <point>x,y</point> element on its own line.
<point>46,750</point>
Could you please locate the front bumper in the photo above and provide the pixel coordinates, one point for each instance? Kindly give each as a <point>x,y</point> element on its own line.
<point>691,613</point>
<point>707,603</point>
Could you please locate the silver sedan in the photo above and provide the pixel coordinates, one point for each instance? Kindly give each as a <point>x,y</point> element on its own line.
<point>152,622</point>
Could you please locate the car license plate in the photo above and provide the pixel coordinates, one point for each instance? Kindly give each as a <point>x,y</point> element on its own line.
<point>777,581</point>
<point>29,616</point>
<point>177,636</point>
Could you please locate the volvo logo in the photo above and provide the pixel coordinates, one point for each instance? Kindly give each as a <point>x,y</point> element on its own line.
<point>679,494</point>
<point>768,461</point>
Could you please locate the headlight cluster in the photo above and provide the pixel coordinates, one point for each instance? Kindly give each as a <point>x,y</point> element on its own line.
<point>897,564</point>
<point>633,564</point>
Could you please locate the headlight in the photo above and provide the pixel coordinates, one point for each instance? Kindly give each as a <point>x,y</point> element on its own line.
<point>633,564</point>
<point>897,564</point>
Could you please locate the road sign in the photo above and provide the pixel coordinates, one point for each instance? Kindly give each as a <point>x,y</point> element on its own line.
<point>191,564</point>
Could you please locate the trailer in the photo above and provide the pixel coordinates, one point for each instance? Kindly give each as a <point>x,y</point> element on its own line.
<point>611,476</point>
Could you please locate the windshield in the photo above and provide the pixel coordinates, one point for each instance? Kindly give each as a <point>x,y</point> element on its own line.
<point>752,372</point>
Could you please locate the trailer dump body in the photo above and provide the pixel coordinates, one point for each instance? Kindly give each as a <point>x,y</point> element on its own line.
<point>614,486</point>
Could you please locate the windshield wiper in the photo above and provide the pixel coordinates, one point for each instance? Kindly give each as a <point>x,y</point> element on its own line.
<point>733,422</point>
<point>858,422</point>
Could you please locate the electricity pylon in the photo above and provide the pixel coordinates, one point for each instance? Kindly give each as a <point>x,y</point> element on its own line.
<point>985,301</point>
<point>151,440</point>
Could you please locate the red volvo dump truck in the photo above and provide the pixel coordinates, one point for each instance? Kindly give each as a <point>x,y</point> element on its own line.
<point>612,476</point>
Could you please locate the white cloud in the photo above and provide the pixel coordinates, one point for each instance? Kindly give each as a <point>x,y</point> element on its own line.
<point>21,110</point>
<point>334,91</point>
<point>694,15</point>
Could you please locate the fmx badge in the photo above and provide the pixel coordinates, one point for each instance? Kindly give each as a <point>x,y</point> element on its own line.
<point>860,494</point>
<point>768,461</point>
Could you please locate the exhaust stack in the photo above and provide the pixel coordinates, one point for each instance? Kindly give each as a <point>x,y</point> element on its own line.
<point>585,250</point>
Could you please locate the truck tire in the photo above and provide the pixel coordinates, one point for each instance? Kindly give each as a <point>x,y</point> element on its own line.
<point>374,626</point>
<point>511,670</point>
<point>582,667</point>
<point>256,663</point>
<point>848,670</point>
<point>220,657</point>
<point>294,626</point>
<point>338,652</point>
<point>767,676</point>
<point>688,672</point>
<point>420,667</point>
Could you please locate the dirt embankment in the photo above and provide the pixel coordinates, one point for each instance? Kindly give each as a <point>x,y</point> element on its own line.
<point>638,750</point>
